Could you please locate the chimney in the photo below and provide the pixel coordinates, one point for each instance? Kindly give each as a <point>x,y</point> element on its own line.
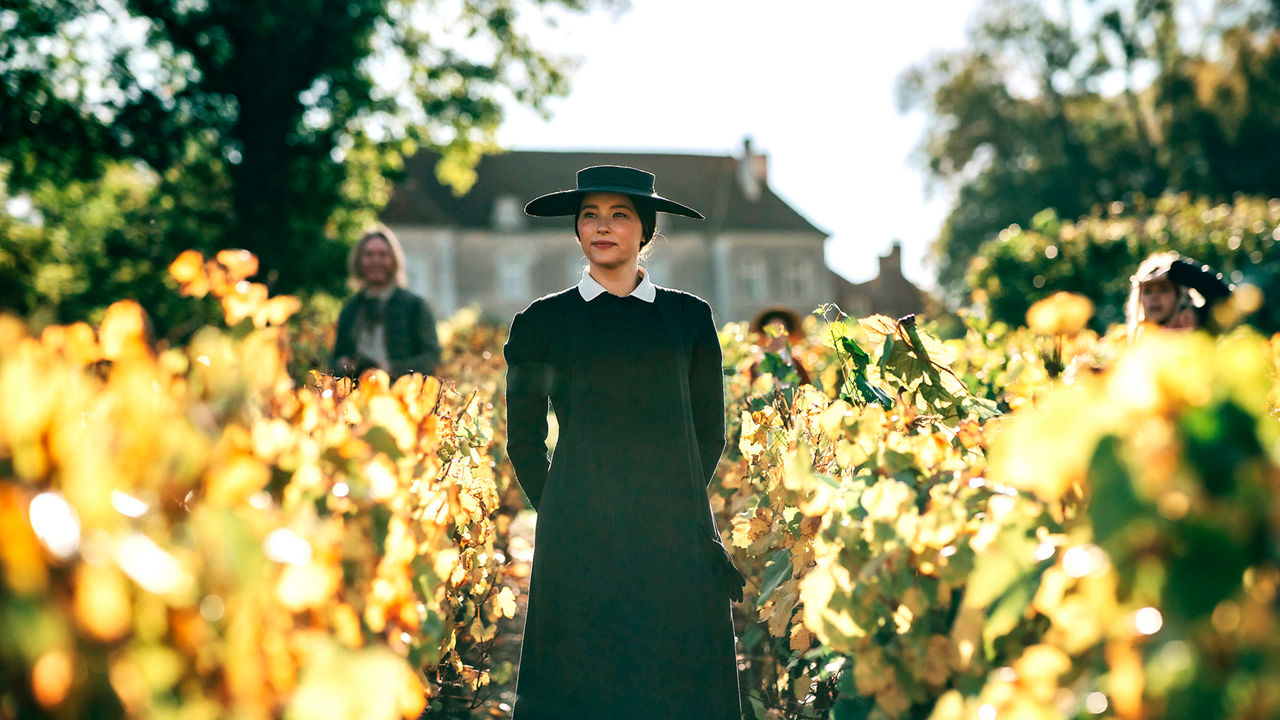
<point>891,264</point>
<point>753,171</point>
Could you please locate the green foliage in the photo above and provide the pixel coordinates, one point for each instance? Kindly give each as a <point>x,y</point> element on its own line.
<point>267,125</point>
<point>88,243</point>
<point>1075,106</point>
<point>1096,255</point>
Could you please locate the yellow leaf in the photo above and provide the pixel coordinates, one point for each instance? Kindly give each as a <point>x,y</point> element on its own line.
<point>240,264</point>
<point>824,611</point>
<point>444,562</point>
<point>388,687</point>
<point>346,625</point>
<point>1061,313</point>
<point>308,586</point>
<point>102,604</point>
<point>1039,669</point>
<point>188,270</point>
<point>387,411</point>
<point>21,556</point>
<point>380,471</point>
<point>124,331</point>
<point>276,311</point>
<point>833,419</point>
<point>506,603</point>
<point>51,678</point>
<point>871,673</point>
<point>244,300</point>
<point>801,638</point>
<point>232,481</point>
<point>887,500</point>
<point>802,686</point>
<point>77,342</point>
<point>1127,679</point>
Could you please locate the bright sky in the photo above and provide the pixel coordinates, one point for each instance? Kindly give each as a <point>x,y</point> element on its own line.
<point>811,81</point>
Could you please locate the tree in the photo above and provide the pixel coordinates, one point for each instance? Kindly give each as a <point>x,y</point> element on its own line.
<point>1102,101</point>
<point>271,125</point>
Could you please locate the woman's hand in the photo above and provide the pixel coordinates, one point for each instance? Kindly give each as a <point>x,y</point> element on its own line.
<point>727,573</point>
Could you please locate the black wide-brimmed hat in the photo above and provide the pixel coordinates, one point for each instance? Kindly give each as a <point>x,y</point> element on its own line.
<point>606,179</point>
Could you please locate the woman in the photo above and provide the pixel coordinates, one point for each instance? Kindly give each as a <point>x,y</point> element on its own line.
<point>383,325</point>
<point>1174,292</point>
<point>776,329</point>
<point>629,612</point>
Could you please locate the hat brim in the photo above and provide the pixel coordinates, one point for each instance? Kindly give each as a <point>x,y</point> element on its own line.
<point>567,202</point>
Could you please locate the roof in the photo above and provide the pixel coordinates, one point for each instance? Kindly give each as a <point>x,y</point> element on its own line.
<point>707,183</point>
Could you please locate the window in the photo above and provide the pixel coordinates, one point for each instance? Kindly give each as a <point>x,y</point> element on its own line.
<point>508,213</point>
<point>513,277</point>
<point>753,279</point>
<point>797,279</point>
<point>417,267</point>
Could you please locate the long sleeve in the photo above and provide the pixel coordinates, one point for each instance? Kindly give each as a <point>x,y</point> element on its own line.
<point>423,342</point>
<point>706,391</point>
<point>528,391</point>
<point>343,340</point>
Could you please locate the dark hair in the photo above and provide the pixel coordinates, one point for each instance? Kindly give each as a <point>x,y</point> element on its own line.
<point>645,210</point>
<point>789,318</point>
<point>1198,287</point>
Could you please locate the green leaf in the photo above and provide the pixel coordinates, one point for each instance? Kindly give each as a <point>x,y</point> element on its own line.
<point>859,356</point>
<point>1113,503</point>
<point>380,439</point>
<point>868,393</point>
<point>1007,612</point>
<point>981,409</point>
<point>1208,567</point>
<point>777,570</point>
<point>851,708</point>
<point>1218,437</point>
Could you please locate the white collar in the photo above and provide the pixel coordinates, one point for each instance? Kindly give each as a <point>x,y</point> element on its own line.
<point>590,289</point>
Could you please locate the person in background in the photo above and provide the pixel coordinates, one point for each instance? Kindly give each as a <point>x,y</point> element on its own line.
<point>1174,292</point>
<point>776,329</point>
<point>383,325</point>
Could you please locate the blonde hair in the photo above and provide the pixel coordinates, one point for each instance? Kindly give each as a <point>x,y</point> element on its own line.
<point>354,279</point>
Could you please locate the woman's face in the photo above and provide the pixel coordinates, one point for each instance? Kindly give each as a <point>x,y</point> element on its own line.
<point>609,229</point>
<point>1158,298</point>
<point>376,263</point>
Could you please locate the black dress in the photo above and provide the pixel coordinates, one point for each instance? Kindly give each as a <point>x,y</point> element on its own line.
<point>626,619</point>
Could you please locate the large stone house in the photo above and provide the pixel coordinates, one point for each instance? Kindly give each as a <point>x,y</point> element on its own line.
<point>479,249</point>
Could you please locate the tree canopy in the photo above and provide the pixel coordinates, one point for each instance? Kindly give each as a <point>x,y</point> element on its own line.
<point>1101,101</point>
<point>270,125</point>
